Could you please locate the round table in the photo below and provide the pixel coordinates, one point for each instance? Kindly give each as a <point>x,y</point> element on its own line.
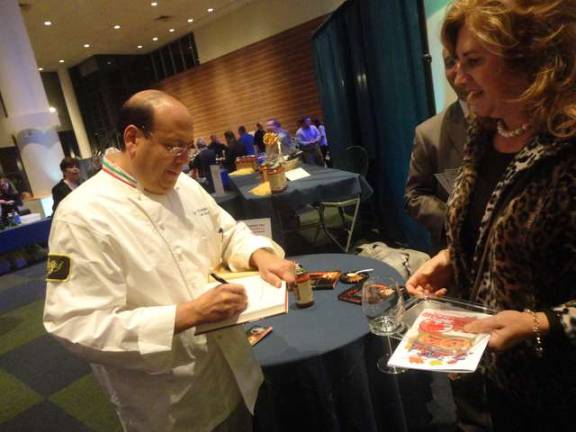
<point>327,325</point>
<point>319,363</point>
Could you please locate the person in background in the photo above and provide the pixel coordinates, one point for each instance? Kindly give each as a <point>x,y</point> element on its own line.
<point>130,257</point>
<point>246,140</point>
<point>259,138</point>
<point>217,147</point>
<point>286,145</point>
<point>308,138</point>
<point>9,200</point>
<point>323,139</point>
<point>234,149</point>
<point>95,164</point>
<point>438,147</point>
<point>70,168</point>
<point>200,165</point>
<point>511,221</point>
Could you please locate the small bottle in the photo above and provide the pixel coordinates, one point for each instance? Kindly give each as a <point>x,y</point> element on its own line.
<point>303,288</point>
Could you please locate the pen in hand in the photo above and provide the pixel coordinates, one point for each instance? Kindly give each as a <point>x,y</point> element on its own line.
<point>218,278</point>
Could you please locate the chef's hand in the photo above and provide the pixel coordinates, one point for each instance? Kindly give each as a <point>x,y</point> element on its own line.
<point>432,278</point>
<point>507,328</point>
<point>216,304</point>
<point>272,268</point>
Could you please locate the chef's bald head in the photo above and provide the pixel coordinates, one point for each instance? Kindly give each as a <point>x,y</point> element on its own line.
<point>140,108</point>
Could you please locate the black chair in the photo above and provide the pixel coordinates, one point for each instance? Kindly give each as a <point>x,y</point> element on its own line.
<point>356,161</point>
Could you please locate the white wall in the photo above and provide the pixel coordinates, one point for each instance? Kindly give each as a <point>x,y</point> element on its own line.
<point>254,22</point>
<point>443,93</point>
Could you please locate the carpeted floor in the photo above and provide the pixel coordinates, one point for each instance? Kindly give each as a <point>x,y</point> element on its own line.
<point>43,388</point>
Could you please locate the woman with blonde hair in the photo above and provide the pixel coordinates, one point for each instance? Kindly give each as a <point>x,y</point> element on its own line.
<point>511,222</point>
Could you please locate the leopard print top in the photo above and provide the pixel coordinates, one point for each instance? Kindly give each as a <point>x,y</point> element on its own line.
<point>525,257</point>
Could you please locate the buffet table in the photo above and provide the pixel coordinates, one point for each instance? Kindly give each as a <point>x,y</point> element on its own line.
<point>323,184</point>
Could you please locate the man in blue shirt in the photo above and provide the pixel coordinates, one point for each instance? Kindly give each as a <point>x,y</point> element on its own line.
<point>246,140</point>
<point>308,138</point>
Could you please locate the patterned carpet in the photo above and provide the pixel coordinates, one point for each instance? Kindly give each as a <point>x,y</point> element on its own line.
<point>43,388</point>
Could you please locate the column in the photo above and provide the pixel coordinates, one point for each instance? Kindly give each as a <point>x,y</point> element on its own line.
<point>74,113</point>
<point>29,119</point>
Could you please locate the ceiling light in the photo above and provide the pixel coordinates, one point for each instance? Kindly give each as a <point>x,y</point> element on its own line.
<point>60,61</point>
<point>47,23</point>
<point>210,10</point>
<point>116,27</point>
<point>171,30</point>
<point>86,45</point>
<point>155,38</point>
<point>154,4</point>
<point>52,109</point>
<point>40,69</point>
<point>139,46</point>
<point>190,20</point>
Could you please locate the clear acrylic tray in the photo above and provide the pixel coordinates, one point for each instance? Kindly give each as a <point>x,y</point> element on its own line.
<point>416,305</point>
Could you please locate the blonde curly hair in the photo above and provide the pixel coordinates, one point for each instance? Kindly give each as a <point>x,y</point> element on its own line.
<point>535,38</point>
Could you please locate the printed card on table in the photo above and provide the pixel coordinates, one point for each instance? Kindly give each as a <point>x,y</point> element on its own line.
<point>437,342</point>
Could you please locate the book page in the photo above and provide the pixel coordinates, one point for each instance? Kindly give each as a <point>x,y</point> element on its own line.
<point>264,300</point>
<point>296,174</point>
<point>436,342</point>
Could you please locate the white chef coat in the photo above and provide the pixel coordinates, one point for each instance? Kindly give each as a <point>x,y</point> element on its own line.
<point>135,255</point>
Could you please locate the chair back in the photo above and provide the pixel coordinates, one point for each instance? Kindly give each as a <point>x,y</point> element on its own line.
<point>357,160</point>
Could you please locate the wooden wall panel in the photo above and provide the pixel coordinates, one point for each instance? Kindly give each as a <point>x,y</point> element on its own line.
<point>273,78</point>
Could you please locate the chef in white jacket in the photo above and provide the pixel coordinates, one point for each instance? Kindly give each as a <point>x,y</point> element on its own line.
<point>130,253</point>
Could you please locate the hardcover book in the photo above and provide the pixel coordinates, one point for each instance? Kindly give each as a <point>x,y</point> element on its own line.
<point>264,300</point>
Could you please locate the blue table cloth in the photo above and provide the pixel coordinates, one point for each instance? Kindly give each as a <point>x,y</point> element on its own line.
<point>320,363</point>
<point>18,237</point>
<point>323,184</point>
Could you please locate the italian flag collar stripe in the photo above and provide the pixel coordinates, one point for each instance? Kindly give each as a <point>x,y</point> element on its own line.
<point>117,173</point>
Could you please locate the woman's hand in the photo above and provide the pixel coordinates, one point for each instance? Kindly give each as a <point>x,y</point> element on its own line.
<point>432,278</point>
<point>508,328</point>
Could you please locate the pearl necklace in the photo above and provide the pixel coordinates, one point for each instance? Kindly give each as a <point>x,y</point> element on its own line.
<point>507,133</point>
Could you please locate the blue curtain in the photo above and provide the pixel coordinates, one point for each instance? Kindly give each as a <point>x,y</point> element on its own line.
<point>371,78</point>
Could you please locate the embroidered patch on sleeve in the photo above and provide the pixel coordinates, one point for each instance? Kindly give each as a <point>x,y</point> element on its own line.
<point>58,268</point>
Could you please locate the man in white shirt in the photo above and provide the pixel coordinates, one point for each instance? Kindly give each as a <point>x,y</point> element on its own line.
<point>130,255</point>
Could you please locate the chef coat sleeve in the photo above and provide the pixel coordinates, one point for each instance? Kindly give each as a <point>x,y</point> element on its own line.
<point>238,241</point>
<point>86,306</point>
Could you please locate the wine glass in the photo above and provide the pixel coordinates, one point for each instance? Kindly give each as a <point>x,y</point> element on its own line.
<point>383,305</point>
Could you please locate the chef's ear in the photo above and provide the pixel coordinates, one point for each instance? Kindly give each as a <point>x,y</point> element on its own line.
<point>131,138</point>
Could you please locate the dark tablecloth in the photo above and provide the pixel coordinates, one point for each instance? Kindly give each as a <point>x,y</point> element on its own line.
<point>18,237</point>
<point>320,363</point>
<point>323,184</point>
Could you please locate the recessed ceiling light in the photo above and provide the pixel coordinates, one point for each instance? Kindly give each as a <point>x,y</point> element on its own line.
<point>171,30</point>
<point>40,69</point>
<point>86,45</point>
<point>116,27</point>
<point>60,61</point>
<point>155,38</point>
<point>139,46</point>
<point>154,4</point>
<point>210,10</point>
<point>52,109</point>
<point>190,20</point>
<point>47,23</point>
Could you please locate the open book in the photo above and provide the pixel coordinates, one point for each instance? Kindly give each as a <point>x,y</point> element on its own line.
<point>436,342</point>
<point>264,300</point>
